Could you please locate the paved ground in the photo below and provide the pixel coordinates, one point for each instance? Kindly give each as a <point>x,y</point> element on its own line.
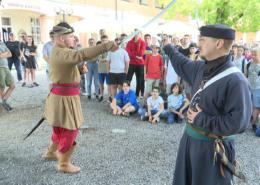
<point>115,151</point>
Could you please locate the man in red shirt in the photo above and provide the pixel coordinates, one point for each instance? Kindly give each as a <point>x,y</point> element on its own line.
<point>135,49</point>
<point>153,70</point>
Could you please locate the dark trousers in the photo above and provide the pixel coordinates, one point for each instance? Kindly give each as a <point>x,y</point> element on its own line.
<point>138,70</point>
<point>194,163</point>
<point>17,65</point>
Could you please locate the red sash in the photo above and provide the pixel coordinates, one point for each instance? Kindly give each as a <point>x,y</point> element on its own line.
<point>66,89</point>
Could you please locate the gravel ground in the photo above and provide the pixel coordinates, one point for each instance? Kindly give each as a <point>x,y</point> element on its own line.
<point>114,151</point>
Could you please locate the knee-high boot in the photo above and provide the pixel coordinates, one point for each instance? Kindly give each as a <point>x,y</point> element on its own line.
<point>51,153</point>
<point>64,164</point>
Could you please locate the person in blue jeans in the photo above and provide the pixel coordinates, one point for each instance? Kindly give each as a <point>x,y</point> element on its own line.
<point>155,108</point>
<point>92,66</point>
<point>177,104</point>
<point>14,47</point>
<point>125,101</point>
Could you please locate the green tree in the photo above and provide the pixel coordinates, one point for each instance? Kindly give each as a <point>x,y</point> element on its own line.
<point>243,15</point>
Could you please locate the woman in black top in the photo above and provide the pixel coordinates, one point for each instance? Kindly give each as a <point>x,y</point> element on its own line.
<point>30,61</point>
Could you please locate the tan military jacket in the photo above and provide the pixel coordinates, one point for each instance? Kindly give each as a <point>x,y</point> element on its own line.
<point>65,111</point>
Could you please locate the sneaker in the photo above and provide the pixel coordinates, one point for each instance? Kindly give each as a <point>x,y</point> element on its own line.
<point>100,99</point>
<point>6,106</point>
<point>89,97</point>
<point>35,84</point>
<point>23,84</point>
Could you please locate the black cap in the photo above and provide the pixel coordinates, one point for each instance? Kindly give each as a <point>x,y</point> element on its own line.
<point>63,28</point>
<point>218,31</point>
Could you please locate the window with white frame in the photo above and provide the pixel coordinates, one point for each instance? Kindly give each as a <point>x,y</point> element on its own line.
<point>35,29</point>
<point>6,27</point>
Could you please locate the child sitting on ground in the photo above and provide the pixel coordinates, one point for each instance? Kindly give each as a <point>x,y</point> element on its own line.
<point>155,108</point>
<point>125,101</point>
<point>177,104</point>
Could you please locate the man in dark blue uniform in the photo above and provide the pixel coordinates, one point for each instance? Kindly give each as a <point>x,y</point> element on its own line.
<point>219,109</point>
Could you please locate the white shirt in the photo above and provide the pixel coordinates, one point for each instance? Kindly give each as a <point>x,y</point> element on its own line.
<point>171,76</point>
<point>154,103</point>
<point>117,60</point>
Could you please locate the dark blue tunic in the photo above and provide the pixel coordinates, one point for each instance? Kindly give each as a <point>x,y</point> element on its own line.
<point>226,106</point>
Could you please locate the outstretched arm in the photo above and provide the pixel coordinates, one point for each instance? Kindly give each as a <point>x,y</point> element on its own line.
<point>184,67</point>
<point>76,56</point>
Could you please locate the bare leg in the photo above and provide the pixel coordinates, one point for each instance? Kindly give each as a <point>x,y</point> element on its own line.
<point>255,117</point>
<point>33,75</point>
<point>5,95</point>
<point>27,76</point>
<point>101,87</point>
<point>120,87</point>
<point>113,90</point>
<point>128,110</point>
<point>109,90</point>
<point>119,111</point>
<point>24,76</point>
<point>116,110</point>
<point>2,93</point>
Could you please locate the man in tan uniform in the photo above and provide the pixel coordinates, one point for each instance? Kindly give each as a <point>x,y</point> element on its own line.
<point>63,108</point>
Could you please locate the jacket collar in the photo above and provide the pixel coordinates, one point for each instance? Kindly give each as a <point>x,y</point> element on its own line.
<point>213,67</point>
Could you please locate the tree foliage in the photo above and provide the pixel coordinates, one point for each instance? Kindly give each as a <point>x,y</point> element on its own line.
<point>243,15</point>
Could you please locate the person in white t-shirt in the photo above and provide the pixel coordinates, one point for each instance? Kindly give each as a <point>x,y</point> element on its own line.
<point>118,64</point>
<point>239,59</point>
<point>171,76</point>
<point>155,108</point>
